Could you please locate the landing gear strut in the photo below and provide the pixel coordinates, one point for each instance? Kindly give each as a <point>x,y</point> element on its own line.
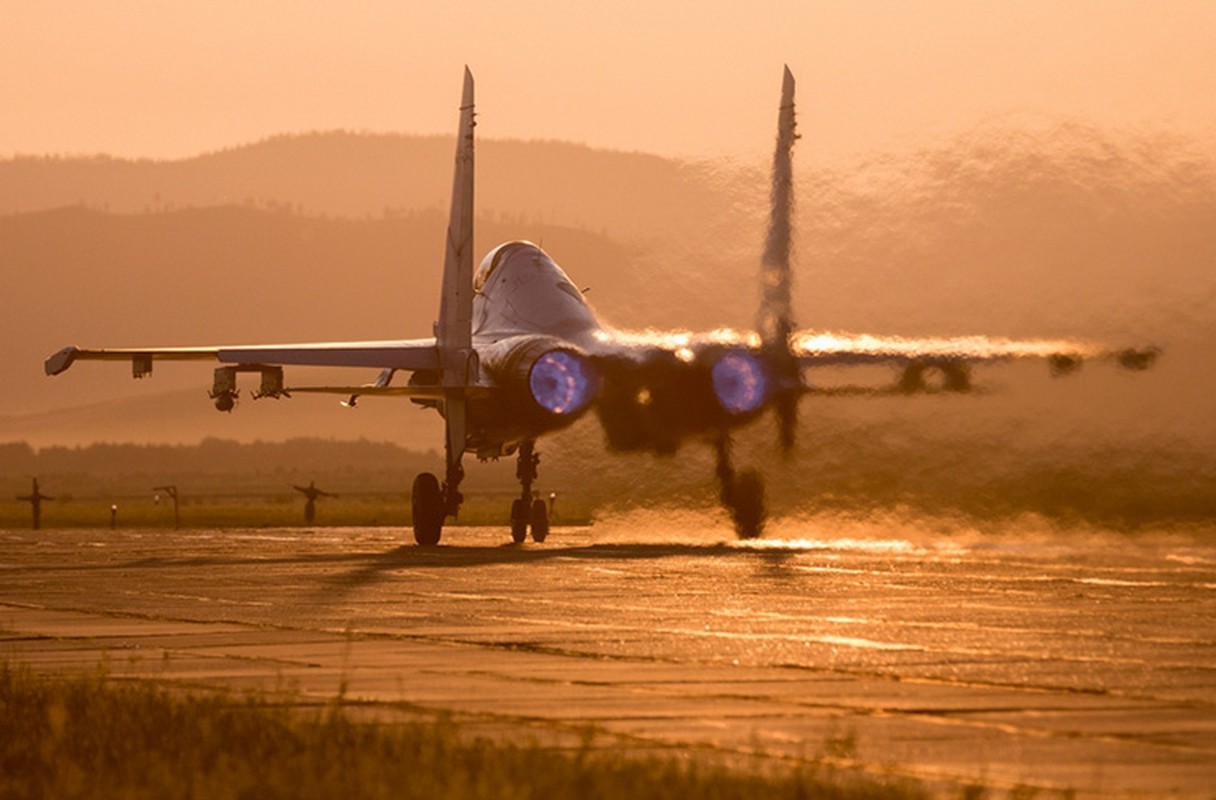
<point>742,493</point>
<point>524,510</point>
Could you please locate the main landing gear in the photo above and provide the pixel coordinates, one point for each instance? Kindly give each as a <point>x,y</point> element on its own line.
<point>426,505</point>
<point>524,510</point>
<point>742,493</point>
<point>431,503</point>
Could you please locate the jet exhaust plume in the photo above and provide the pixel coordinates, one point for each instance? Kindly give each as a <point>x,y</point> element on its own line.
<point>826,345</point>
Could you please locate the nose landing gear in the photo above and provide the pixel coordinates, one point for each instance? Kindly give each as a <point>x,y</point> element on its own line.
<point>525,511</point>
<point>742,493</point>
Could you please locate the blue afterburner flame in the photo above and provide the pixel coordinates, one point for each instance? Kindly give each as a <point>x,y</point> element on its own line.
<point>561,382</point>
<point>740,383</point>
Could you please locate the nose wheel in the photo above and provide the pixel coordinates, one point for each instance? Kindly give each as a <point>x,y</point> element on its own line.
<point>527,512</point>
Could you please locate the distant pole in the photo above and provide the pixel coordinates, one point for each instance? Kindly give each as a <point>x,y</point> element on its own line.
<point>171,490</point>
<point>113,516</point>
<point>35,498</point>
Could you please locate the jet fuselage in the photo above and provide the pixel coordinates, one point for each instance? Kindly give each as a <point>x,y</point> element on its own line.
<point>533,327</point>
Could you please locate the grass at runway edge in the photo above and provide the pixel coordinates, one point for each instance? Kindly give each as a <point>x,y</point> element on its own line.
<point>89,737</point>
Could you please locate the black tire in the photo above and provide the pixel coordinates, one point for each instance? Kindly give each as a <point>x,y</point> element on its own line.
<point>748,509</point>
<point>426,506</point>
<point>540,520</point>
<point>519,521</point>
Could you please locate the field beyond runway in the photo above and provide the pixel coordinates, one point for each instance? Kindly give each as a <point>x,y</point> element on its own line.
<point>1082,661</point>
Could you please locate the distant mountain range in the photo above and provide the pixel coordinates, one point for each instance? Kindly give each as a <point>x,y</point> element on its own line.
<point>359,176</point>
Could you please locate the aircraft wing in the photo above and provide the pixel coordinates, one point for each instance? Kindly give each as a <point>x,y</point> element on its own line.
<point>408,354</point>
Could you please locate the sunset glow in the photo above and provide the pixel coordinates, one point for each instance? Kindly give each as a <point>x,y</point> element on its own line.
<point>132,78</point>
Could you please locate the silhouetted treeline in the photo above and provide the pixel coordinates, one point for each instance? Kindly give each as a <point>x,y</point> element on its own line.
<point>855,468</point>
<point>889,470</point>
<point>210,455</point>
<point>215,465</point>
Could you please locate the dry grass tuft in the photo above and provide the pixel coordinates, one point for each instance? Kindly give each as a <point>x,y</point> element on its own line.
<point>89,737</point>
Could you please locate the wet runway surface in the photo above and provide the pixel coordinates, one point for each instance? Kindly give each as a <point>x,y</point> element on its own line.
<point>1081,662</point>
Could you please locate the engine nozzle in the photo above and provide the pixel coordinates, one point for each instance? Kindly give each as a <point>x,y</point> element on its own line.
<point>561,382</point>
<point>740,382</point>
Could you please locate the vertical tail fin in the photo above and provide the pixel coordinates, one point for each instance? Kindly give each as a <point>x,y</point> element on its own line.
<point>775,320</point>
<point>454,330</point>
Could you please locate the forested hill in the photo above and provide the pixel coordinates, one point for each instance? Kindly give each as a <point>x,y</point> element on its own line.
<point>365,175</point>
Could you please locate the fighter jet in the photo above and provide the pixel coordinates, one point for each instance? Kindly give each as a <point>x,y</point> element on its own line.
<point>518,353</point>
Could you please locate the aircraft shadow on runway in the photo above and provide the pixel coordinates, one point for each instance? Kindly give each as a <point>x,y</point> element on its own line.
<point>377,566</point>
<point>369,567</point>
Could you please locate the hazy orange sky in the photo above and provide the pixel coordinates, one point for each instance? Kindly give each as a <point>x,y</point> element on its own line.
<point>164,79</point>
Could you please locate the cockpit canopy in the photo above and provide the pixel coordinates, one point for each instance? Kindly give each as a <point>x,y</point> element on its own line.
<point>493,259</point>
<point>520,289</point>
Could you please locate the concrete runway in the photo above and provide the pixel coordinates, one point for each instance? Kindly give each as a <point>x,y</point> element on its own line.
<point>1079,661</point>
